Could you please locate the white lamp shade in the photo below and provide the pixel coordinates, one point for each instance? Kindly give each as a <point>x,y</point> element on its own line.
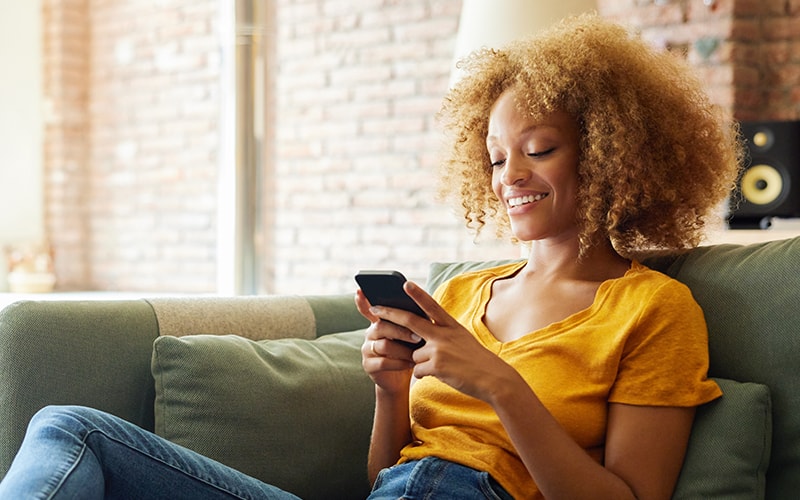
<point>493,23</point>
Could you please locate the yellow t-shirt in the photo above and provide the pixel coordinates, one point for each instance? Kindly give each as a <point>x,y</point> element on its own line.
<point>642,342</point>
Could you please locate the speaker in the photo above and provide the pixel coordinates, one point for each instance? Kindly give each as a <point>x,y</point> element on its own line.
<point>769,185</point>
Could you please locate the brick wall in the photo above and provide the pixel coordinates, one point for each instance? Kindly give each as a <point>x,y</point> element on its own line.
<point>154,116</point>
<point>66,121</point>
<point>132,92</point>
<point>359,84</point>
<point>748,51</point>
<point>132,205</point>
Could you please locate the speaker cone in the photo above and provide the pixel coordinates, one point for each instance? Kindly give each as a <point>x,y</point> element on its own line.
<point>762,184</point>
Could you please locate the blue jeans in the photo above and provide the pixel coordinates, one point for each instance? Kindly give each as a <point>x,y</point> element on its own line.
<point>82,453</point>
<point>434,479</point>
<point>76,452</point>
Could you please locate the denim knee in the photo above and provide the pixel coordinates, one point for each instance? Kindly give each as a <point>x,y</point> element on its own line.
<point>58,414</point>
<point>75,420</point>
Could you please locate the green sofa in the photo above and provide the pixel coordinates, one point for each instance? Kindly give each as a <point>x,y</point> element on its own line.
<point>273,385</point>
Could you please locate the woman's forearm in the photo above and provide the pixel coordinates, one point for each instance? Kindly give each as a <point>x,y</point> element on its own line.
<point>391,431</point>
<point>558,465</point>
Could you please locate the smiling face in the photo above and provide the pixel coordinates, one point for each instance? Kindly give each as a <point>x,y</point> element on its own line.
<point>534,170</point>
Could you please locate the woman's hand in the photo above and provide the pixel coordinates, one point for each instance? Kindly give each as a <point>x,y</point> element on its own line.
<point>389,364</point>
<point>387,361</point>
<point>451,353</point>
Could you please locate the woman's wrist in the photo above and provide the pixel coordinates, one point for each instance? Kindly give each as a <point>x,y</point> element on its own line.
<point>391,393</point>
<point>506,389</point>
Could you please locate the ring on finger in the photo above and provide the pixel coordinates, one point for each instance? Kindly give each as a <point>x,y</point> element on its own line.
<point>372,348</point>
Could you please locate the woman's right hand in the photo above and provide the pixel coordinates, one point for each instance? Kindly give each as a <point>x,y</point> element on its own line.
<point>388,363</point>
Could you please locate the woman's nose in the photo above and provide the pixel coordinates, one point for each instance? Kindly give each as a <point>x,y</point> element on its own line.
<point>515,171</point>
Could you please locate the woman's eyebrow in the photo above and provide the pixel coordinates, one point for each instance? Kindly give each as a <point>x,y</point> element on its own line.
<point>526,130</point>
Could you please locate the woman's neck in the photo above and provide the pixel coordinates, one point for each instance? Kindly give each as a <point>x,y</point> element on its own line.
<point>562,260</point>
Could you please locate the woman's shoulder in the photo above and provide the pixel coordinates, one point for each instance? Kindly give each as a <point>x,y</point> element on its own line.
<point>646,282</point>
<point>642,273</point>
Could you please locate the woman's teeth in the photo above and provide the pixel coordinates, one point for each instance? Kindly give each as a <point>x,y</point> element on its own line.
<point>522,200</point>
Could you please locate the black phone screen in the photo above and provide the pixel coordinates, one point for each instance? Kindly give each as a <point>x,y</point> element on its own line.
<point>385,288</point>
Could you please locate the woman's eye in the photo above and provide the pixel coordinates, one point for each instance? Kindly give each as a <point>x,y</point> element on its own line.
<point>539,154</point>
<point>497,163</point>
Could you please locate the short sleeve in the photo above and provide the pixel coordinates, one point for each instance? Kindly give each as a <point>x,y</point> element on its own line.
<point>665,357</point>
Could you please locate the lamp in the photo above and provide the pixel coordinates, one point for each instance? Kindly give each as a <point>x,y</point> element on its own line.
<point>494,23</point>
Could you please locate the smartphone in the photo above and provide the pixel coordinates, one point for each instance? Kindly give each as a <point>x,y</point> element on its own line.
<point>385,288</point>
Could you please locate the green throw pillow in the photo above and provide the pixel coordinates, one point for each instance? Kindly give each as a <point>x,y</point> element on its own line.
<point>729,448</point>
<point>293,413</point>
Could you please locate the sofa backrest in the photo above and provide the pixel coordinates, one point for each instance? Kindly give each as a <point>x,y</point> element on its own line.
<point>751,299</point>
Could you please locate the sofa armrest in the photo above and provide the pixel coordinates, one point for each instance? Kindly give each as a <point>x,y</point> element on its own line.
<point>335,313</point>
<point>93,353</point>
<point>264,317</point>
<point>97,353</point>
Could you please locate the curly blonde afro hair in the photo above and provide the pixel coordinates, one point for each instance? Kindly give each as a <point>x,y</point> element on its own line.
<point>657,159</point>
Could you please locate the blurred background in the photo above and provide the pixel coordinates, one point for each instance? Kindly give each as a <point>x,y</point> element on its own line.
<point>278,146</point>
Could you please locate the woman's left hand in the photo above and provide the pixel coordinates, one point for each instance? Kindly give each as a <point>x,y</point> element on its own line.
<point>451,353</point>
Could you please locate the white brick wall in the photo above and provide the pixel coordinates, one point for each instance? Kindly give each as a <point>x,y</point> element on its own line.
<point>357,142</point>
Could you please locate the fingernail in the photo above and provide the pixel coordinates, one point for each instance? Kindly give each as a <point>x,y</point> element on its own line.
<point>415,338</point>
<point>375,309</point>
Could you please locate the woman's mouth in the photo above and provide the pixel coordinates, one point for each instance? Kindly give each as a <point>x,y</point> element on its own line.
<point>518,201</point>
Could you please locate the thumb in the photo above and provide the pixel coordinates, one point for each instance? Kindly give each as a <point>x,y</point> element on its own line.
<point>427,303</point>
<point>363,305</point>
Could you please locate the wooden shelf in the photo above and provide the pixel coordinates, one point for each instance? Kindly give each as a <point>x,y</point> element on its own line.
<point>781,229</point>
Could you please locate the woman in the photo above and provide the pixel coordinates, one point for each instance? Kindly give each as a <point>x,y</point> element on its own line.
<point>573,374</point>
<point>576,373</point>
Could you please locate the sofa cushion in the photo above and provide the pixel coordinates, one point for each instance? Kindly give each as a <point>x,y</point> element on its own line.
<point>294,413</point>
<point>728,453</point>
